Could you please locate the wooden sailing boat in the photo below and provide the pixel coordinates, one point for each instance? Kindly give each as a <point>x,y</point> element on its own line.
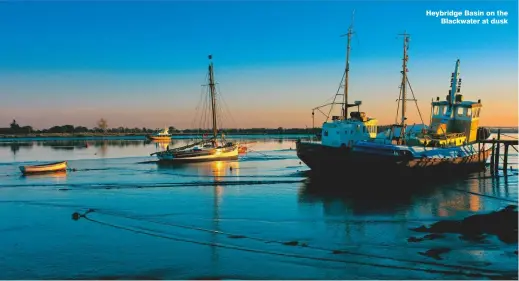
<point>210,149</point>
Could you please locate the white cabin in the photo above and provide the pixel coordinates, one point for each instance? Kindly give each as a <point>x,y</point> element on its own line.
<point>344,133</point>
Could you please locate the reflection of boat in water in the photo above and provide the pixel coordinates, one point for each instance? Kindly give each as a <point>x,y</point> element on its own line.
<point>44,168</point>
<point>163,135</point>
<point>209,149</point>
<point>449,146</point>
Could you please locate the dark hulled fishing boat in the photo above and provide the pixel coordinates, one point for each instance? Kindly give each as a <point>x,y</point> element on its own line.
<point>448,146</point>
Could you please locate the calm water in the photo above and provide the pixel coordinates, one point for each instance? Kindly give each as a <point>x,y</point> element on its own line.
<point>206,220</point>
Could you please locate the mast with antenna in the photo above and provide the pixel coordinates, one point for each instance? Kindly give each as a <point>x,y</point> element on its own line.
<point>403,85</point>
<point>213,95</point>
<point>346,75</point>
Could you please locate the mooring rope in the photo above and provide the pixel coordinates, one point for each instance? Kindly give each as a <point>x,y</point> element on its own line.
<point>293,243</point>
<point>232,247</point>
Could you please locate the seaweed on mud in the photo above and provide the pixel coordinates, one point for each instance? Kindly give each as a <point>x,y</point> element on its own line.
<point>502,223</point>
<point>435,253</point>
<point>432,236</point>
<point>291,243</point>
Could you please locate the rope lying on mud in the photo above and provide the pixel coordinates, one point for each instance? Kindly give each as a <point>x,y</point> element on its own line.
<point>293,243</point>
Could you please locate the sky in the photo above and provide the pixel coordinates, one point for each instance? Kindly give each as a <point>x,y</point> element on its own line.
<point>143,64</point>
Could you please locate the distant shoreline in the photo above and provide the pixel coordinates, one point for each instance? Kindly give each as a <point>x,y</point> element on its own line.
<point>133,135</point>
<point>189,134</point>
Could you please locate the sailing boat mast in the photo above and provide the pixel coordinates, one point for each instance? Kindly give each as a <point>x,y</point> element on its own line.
<point>346,75</point>
<point>213,95</point>
<point>404,83</point>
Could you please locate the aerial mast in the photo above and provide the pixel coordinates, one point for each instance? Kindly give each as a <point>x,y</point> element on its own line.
<point>213,95</point>
<point>404,83</point>
<point>347,70</point>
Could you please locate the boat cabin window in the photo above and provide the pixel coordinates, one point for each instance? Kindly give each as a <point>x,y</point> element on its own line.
<point>436,110</point>
<point>460,111</point>
<point>469,112</point>
<point>325,133</point>
<point>363,129</point>
<point>443,110</point>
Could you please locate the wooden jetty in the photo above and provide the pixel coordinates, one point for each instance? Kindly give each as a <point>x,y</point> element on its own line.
<point>495,155</point>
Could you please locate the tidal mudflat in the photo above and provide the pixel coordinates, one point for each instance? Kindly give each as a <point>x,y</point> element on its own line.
<point>117,214</point>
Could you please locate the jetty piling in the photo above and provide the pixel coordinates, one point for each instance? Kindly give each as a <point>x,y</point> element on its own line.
<point>505,160</point>
<point>492,158</point>
<point>495,153</point>
<point>498,146</point>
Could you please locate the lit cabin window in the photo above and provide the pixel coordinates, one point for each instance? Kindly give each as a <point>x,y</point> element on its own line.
<point>469,112</point>
<point>436,110</point>
<point>460,111</point>
<point>443,110</point>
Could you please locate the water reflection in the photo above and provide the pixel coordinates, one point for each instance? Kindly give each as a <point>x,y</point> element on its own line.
<point>443,198</point>
<point>368,197</point>
<point>215,169</point>
<point>15,146</point>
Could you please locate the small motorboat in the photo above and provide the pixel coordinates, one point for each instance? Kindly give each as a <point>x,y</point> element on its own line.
<point>44,168</point>
<point>164,135</point>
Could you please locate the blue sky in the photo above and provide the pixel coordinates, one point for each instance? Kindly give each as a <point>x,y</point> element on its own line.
<point>142,63</point>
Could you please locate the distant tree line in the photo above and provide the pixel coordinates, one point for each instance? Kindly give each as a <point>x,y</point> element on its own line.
<point>102,127</point>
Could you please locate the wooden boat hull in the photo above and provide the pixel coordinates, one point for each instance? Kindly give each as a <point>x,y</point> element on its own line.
<point>346,162</point>
<point>44,168</point>
<point>216,154</point>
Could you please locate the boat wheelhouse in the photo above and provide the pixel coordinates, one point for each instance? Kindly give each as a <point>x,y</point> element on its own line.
<point>448,144</point>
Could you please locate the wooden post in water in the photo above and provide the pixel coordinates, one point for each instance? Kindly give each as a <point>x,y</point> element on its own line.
<point>505,160</point>
<point>498,145</point>
<point>479,153</point>
<point>492,156</point>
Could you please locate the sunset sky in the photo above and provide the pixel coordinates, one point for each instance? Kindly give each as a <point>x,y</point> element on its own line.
<point>142,64</point>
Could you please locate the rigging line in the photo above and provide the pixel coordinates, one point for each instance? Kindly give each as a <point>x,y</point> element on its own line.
<point>398,105</point>
<point>158,235</point>
<point>284,243</point>
<point>414,98</point>
<point>335,97</point>
<point>202,94</point>
<point>228,109</point>
<point>198,109</point>
<point>204,122</point>
<point>202,113</point>
<point>509,136</point>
